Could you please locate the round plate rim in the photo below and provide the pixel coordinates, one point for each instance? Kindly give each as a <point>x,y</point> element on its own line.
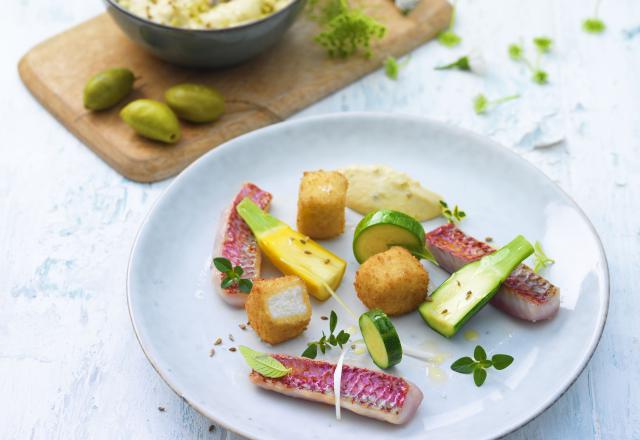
<point>382,116</point>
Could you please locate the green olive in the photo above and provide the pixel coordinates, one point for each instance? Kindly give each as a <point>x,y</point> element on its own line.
<point>152,119</point>
<point>107,88</point>
<point>195,102</point>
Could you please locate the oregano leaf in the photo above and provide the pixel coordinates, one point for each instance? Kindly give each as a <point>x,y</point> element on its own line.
<point>464,365</point>
<point>222,264</point>
<point>479,354</point>
<point>501,361</point>
<point>245,285</point>
<point>311,351</point>
<point>479,376</point>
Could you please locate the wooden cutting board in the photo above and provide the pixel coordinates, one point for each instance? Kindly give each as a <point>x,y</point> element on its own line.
<point>287,78</point>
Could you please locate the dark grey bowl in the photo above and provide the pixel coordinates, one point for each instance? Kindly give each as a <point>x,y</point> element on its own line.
<point>205,48</point>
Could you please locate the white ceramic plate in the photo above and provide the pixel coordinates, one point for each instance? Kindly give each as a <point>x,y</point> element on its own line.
<point>177,315</point>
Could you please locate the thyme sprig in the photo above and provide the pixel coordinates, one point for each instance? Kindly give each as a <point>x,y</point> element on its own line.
<point>541,260</point>
<point>327,342</point>
<point>232,275</point>
<point>453,216</point>
<point>479,364</point>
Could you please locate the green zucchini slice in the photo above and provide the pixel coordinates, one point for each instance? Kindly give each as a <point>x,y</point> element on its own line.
<point>470,288</point>
<point>381,338</point>
<point>379,230</point>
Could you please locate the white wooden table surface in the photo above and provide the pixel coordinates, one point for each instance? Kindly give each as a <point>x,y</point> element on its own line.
<point>70,366</point>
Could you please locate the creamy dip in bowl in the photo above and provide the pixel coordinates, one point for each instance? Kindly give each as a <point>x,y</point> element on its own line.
<point>205,33</point>
<point>203,14</point>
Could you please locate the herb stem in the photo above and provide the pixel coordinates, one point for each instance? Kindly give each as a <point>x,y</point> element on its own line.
<point>505,99</point>
<point>452,21</point>
<point>528,63</point>
<point>596,8</point>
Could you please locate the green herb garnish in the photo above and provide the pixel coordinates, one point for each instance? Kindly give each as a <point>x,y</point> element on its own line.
<point>594,25</point>
<point>392,67</point>
<point>454,216</point>
<point>326,342</point>
<point>543,46</point>
<point>264,364</point>
<point>461,63</point>
<point>540,77</point>
<point>347,30</point>
<point>232,275</point>
<point>481,104</point>
<point>516,52</point>
<point>448,37</point>
<point>540,258</point>
<point>478,367</point>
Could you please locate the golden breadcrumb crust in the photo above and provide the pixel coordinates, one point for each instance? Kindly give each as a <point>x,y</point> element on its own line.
<point>322,199</point>
<point>270,329</point>
<point>393,281</point>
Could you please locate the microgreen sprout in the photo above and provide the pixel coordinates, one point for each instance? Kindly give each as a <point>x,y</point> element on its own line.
<point>480,363</point>
<point>346,30</point>
<point>541,260</point>
<point>482,104</point>
<point>594,25</point>
<point>392,67</point>
<point>461,63</point>
<point>543,45</point>
<point>232,275</point>
<point>516,52</point>
<point>448,37</point>
<point>474,62</point>
<point>326,342</point>
<point>453,216</point>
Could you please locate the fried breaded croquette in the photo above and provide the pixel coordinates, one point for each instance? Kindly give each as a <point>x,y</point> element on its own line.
<point>322,200</point>
<point>278,309</point>
<point>393,281</point>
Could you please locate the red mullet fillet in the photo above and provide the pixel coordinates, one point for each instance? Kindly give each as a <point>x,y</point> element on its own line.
<point>524,294</point>
<point>366,392</point>
<point>236,243</point>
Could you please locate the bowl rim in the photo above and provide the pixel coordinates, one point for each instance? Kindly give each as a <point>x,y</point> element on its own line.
<point>116,5</point>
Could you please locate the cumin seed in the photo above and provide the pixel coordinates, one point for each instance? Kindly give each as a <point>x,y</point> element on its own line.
<point>445,311</point>
<point>231,337</point>
<point>324,318</point>
<point>488,239</point>
<point>232,349</point>
<point>218,341</point>
<point>307,252</point>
